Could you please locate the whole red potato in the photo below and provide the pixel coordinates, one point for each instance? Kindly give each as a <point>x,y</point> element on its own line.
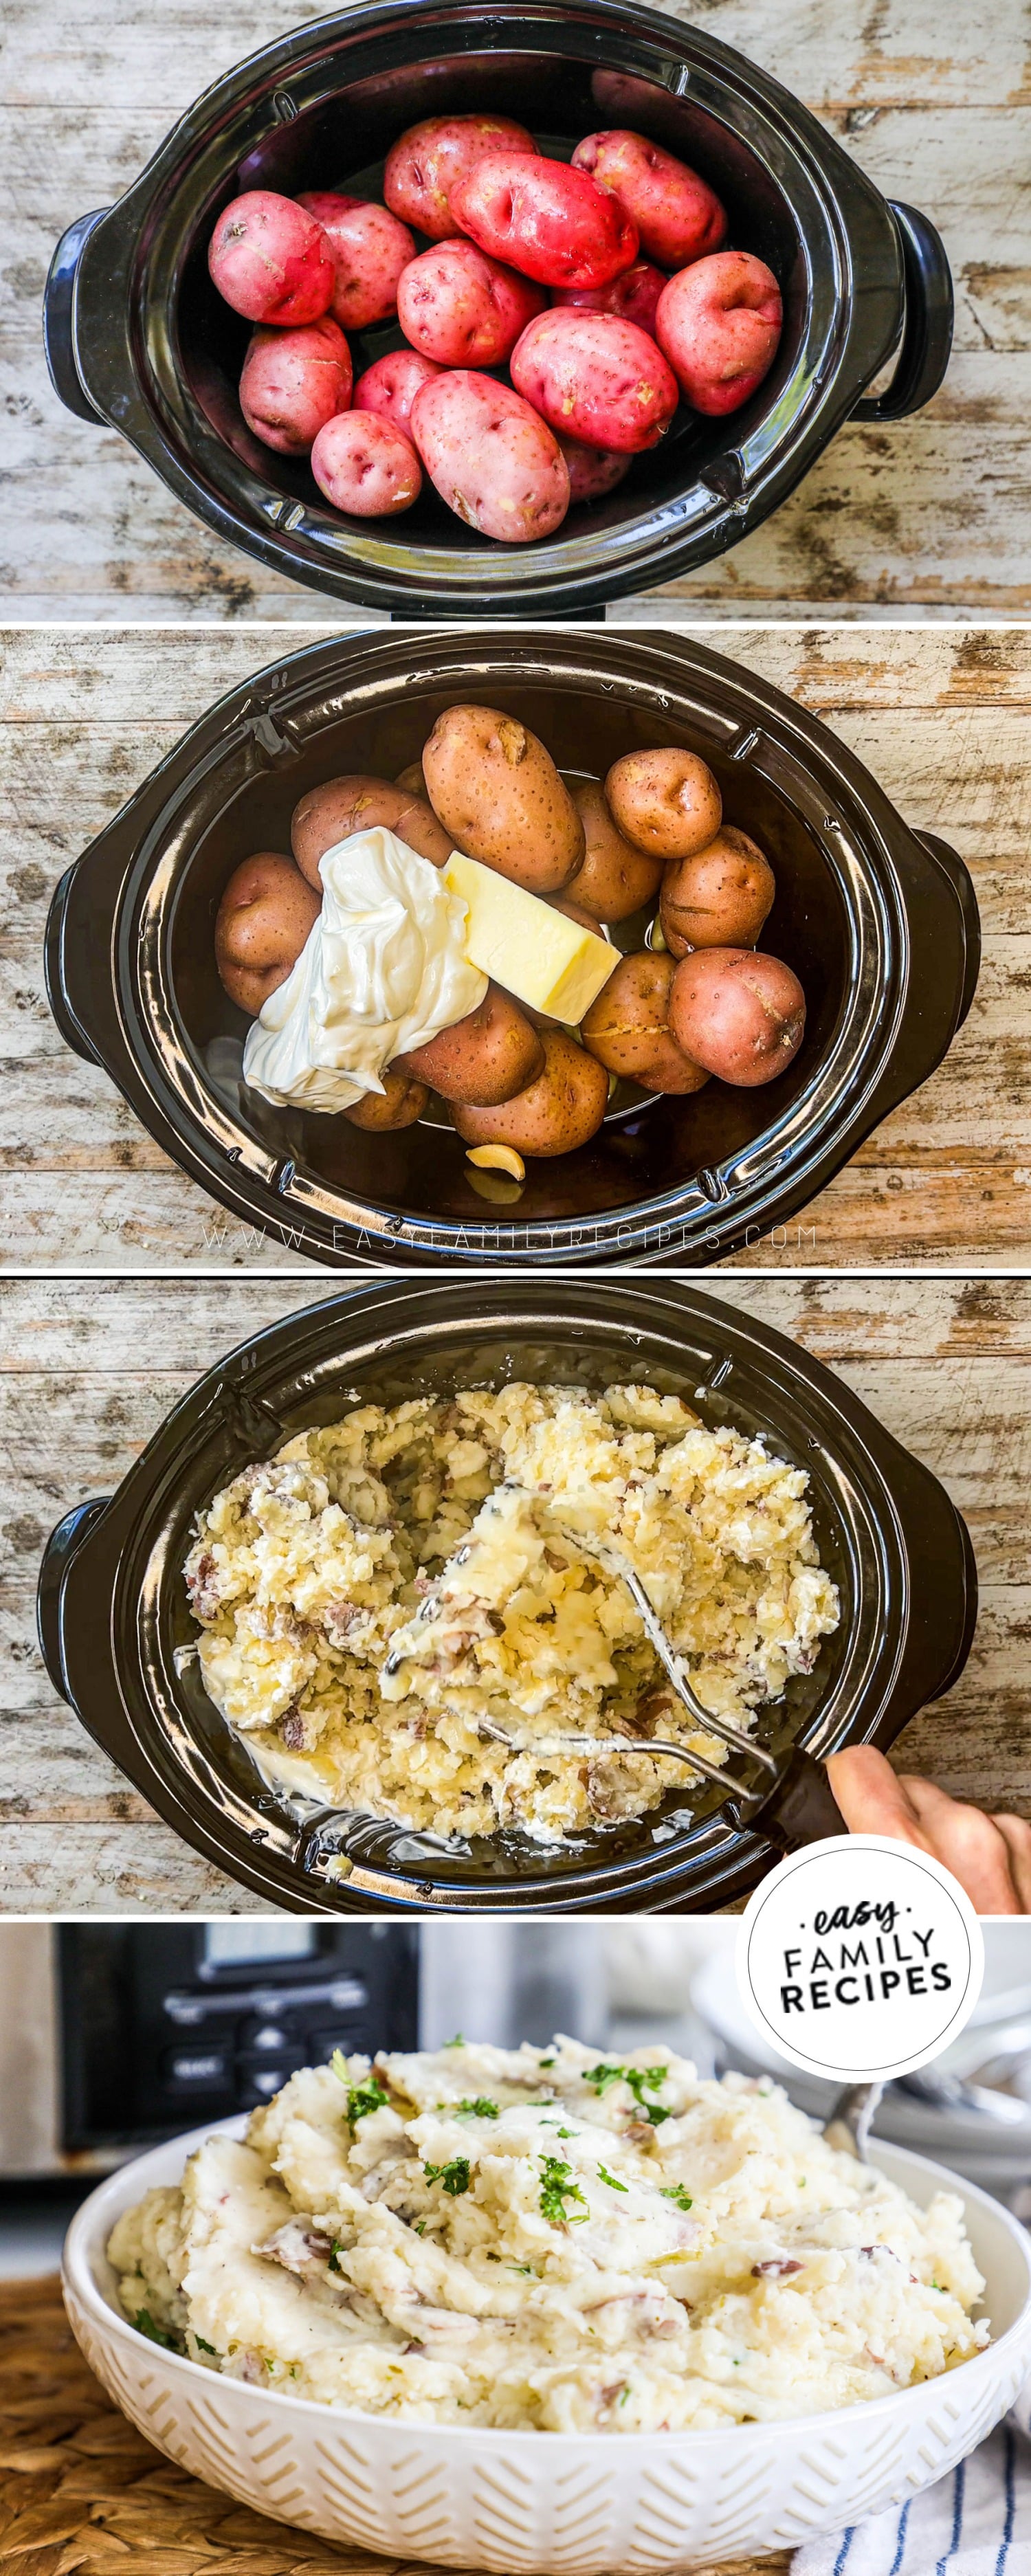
<point>720,324</point>
<point>720,897</point>
<point>678,217</point>
<point>547,220</point>
<point>634,295</point>
<point>370,248</point>
<point>366,466</point>
<point>491,457</point>
<point>738,1012</point>
<point>293,382</point>
<point>593,471</point>
<point>427,162</point>
<point>270,260</point>
<point>390,385</point>
<point>462,309</point>
<point>628,1029</point>
<point>598,379</point>
<point>266,914</point>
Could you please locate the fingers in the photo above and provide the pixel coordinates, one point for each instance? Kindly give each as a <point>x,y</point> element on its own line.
<point>871,1798</point>
<point>990,1855</point>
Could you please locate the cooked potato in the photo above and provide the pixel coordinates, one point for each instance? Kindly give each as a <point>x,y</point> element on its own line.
<point>666,802</point>
<point>357,804</point>
<point>615,879</point>
<point>500,796</point>
<point>487,1057</point>
<point>261,926</point>
<point>628,1029</point>
<point>561,1110</point>
<point>412,780</point>
<point>401,1101</point>
<point>738,1012</point>
<point>718,899</point>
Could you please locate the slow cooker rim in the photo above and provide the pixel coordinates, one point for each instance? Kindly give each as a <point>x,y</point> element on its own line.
<point>117,392</point>
<point>243,1372</point>
<point>148,1012</point>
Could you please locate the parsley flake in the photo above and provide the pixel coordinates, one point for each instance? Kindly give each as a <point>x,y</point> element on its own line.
<point>676,2191</point>
<point>605,2176</point>
<point>456,2042</point>
<point>144,2324</point>
<point>480,2109</point>
<point>454,2176</point>
<point>641,2080</point>
<point>206,2347</point>
<point>558,2186</point>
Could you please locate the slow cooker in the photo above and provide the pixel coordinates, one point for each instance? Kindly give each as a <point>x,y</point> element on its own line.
<point>114,1620</point>
<point>879,922</point>
<point>138,339</point>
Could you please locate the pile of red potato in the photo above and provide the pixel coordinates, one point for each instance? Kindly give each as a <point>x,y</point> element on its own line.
<point>708,1002</point>
<point>601,284</point>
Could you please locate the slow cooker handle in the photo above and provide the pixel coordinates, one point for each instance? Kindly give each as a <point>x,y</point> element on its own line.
<point>61,1549</point>
<point>59,318</point>
<point>927,329</point>
<point>800,1809</point>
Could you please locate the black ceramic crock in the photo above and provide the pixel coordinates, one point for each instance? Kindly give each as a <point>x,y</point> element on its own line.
<point>114,1619</point>
<point>137,337</point>
<point>879,922</point>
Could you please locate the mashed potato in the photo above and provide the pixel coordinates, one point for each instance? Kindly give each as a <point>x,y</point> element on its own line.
<point>403,1613</point>
<point>539,2238</point>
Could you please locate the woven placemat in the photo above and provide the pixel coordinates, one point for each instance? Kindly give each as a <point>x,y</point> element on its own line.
<point>82,2493</point>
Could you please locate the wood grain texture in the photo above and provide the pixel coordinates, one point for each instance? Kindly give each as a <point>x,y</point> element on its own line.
<point>923,517</point>
<point>88,1370</point>
<point>939,714</point>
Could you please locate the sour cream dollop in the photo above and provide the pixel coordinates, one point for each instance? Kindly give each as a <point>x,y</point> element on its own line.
<point>382,970</point>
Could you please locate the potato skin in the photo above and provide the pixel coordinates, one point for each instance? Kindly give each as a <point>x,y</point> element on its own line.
<point>598,379</point>
<point>357,804</point>
<point>498,792</point>
<point>738,1012</point>
<point>293,382</point>
<point>678,216</point>
<point>463,309</point>
<point>401,1101</point>
<point>634,295</point>
<point>616,879</point>
<point>390,385</point>
<point>491,457</point>
<point>592,471</point>
<point>547,220</point>
<point>720,324</point>
<point>366,466</point>
<point>666,801</point>
<point>486,1058</point>
<point>370,249</point>
<point>718,899</point>
<point>412,780</point>
<point>558,1112</point>
<point>265,916</point>
<point>270,260</point>
<point>430,159</point>
<point>628,1029</point>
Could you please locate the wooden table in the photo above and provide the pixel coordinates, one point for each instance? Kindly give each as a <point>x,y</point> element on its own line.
<point>921,518</point>
<point>89,1370</point>
<point>939,714</point>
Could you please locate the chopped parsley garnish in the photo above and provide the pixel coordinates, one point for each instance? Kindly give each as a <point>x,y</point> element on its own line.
<point>641,2080</point>
<point>144,2324</point>
<point>455,2176</point>
<point>419,2226</point>
<point>456,2042</point>
<point>481,2109</point>
<point>676,2191</point>
<point>545,2061</point>
<point>335,2251</point>
<point>206,2347</point>
<point>566,2133</point>
<point>362,2099</point>
<point>605,2176</point>
<point>558,2186</point>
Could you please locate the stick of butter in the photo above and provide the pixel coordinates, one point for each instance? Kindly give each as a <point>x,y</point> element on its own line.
<point>535,952</point>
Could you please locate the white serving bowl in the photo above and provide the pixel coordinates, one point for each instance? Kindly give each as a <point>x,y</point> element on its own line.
<point>525,2501</point>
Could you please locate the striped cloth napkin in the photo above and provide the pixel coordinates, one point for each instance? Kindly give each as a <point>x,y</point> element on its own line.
<point>976,2522</point>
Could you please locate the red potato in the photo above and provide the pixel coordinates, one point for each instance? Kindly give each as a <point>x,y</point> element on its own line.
<point>665,801</point>
<point>357,803</point>
<point>364,465</point>
<point>491,457</point>
<point>549,221</point>
<point>401,1101</point>
<point>390,385</point>
<point>720,324</point>
<point>463,309</point>
<point>718,899</point>
<point>677,215</point>
<point>370,249</point>
<point>428,162</point>
<point>616,879</point>
<point>593,471</point>
<point>270,260</point>
<point>561,1110</point>
<point>738,1012</point>
<point>293,382</point>
<point>628,1029</point>
<point>598,379</point>
<point>262,923</point>
<point>634,295</point>
<point>485,1058</point>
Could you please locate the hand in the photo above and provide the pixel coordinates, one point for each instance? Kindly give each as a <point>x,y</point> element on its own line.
<point>990,1855</point>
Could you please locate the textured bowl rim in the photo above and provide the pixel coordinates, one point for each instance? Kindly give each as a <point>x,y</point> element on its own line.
<point>78,2278</point>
